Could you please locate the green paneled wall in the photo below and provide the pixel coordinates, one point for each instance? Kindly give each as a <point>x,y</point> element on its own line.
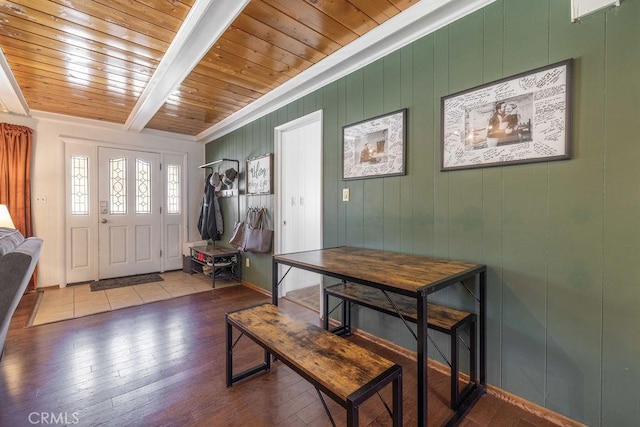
<point>560,239</point>
<point>621,199</point>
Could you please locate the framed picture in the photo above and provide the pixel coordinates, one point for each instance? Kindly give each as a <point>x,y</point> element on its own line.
<point>259,175</point>
<point>375,147</point>
<point>519,119</point>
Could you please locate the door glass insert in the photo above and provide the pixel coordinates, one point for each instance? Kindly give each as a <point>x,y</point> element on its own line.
<point>118,186</point>
<point>143,187</point>
<point>79,185</point>
<point>173,189</point>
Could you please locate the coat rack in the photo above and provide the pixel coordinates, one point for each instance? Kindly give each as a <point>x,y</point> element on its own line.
<point>237,162</point>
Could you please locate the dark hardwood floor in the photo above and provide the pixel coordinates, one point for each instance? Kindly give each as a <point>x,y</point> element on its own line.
<point>163,364</point>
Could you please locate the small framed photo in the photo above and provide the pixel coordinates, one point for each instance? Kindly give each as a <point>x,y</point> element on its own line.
<point>519,119</point>
<point>259,176</point>
<point>375,147</point>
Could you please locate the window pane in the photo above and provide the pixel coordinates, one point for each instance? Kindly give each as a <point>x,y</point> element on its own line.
<point>118,186</point>
<point>143,187</point>
<point>79,185</point>
<point>173,189</point>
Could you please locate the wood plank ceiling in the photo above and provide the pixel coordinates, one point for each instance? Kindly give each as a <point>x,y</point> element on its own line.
<point>93,59</point>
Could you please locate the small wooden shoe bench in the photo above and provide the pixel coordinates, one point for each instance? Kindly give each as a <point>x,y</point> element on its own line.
<point>447,320</point>
<point>342,370</point>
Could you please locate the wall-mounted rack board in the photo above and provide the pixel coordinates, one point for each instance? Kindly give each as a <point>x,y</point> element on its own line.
<point>231,192</point>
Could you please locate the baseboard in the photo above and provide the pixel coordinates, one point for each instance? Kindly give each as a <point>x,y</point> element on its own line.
<point>48,287</point>
<point>411,355</point>
<point>533,408</point>
<point>540,411</point>
<point>256,288</point>
<point>34,309</point>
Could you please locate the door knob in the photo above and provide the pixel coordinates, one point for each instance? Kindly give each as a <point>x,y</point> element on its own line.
<point>104,221</point>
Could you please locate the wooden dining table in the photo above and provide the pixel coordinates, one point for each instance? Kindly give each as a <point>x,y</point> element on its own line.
<point>416,276</point>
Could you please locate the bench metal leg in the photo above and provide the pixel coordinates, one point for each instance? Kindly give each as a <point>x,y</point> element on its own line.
<point>397,401</point>
<point>393,377</point>
<point>457,396</point>
<point>454,369</point>
<point>229,354</point>
<point>352,414</point>
<point>473,354</point>
<point>345,328</point>
<point>265,366</point>
<point>346,317</point>
<point>325,310</point>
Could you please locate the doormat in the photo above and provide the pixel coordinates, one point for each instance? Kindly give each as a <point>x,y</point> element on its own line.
<point>121,282</point>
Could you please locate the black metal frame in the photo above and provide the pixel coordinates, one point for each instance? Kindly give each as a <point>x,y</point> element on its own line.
<point>232,253</point>
<point>231,379</point>
<point>567,117</point>
<point>352,403</point>
<point>457,397</point>
<point>478,274</point>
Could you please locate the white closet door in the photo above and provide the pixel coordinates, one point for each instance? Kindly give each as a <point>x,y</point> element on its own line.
<point>301,197</point>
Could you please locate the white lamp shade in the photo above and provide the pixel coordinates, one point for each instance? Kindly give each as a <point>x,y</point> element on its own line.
<point>5,218</point>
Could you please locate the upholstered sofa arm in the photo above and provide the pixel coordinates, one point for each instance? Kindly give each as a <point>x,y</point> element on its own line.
<point>16,269</point>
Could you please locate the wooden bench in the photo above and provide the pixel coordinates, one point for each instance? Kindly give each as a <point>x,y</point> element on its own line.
<point>344,371</point>
<point>440,318</point>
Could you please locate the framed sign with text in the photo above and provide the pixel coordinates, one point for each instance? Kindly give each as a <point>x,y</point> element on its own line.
<point>259,176</point>
<point>519,119</point>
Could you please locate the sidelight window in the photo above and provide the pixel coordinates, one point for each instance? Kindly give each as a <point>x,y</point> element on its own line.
<point>118,186</point>
<point>143,187</point>
<point>79,185</point>
<point>173,189</point>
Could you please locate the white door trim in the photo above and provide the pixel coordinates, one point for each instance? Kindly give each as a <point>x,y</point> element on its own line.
<point>89,147</point>
<point>314,119</point>
<point>278,131</point>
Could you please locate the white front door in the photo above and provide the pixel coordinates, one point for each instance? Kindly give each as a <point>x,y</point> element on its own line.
<point>129,189</point>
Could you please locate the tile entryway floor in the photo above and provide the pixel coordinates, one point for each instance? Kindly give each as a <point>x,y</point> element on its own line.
<point>77,301</point>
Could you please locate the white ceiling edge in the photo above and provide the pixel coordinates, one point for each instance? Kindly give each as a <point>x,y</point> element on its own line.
<point>19,119</point>
<point>419,20</point>
<point>206,22</point>
<point>166,134</point>
<point>107,126</point>
<point>10,93</point>
<point>580,8</point>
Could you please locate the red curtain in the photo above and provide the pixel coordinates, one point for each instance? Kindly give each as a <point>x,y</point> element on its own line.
<point>15,177</point>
